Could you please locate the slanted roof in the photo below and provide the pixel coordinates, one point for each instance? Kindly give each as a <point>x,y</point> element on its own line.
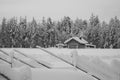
<point>80,40</point>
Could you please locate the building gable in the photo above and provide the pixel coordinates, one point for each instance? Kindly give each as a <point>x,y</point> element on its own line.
<point>79,40</point>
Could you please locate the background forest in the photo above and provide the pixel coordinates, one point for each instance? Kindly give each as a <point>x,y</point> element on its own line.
<point>47,33</point>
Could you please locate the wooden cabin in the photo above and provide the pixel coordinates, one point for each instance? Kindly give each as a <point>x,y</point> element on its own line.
<point>76,42</point>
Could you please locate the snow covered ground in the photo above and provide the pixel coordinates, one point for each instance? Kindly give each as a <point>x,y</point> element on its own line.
<point>25,73</point>
<point>21,73</point>
<point>59,74</point>
<point>103,63</point>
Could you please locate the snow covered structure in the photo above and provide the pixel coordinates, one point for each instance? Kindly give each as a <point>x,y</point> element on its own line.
<point>76,42</point>
<point>60,45</point>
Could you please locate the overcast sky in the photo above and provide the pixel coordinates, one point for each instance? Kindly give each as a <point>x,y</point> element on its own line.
<point>57,9</point>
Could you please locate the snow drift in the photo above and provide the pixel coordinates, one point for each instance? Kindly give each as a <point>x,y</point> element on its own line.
<point>59,74</point>
<point>21,73</point>
<point>103,63</point>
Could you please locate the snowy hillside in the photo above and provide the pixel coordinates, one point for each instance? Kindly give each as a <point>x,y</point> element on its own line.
<point>102,63</point>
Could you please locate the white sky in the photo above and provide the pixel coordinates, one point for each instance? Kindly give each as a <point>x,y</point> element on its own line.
<point>57,9</point>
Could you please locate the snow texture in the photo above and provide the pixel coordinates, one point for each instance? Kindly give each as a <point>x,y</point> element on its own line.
<point>21,73</point>
<point>103,63</point>
<point>59,74</point>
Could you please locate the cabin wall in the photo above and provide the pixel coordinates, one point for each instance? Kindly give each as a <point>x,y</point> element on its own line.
<point>75,44</point>
<point>82,45</point>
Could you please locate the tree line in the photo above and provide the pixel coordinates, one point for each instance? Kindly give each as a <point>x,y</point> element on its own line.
<point>47,33</point>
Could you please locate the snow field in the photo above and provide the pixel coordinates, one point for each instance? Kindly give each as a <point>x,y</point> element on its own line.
<point>25,73</point>
<point>98,68</point>
<point>103,63</point>
<point>21,73</point>
<point>59,74</point>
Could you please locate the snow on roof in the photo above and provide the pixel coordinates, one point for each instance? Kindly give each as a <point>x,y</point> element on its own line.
<point>59,44</point>
<point>90,45</point>
<point>77,39</point>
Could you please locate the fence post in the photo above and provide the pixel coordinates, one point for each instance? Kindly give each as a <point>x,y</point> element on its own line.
<point>12,58</point>
<point>74,56</point>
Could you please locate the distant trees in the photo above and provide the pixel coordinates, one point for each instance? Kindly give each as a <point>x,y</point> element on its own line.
<point>93,30</point>
<point>20,33</point>
<point>104,35</point>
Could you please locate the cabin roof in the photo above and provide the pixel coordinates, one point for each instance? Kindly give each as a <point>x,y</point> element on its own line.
<point>80,40</point>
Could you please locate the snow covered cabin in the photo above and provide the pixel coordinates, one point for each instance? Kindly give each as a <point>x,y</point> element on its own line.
<point>76,42</point>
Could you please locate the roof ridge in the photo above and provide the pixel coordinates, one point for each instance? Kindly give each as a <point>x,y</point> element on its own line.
<point>77,39</point>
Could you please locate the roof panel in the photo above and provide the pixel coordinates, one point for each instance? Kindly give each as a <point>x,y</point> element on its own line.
<point>77,39</point>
